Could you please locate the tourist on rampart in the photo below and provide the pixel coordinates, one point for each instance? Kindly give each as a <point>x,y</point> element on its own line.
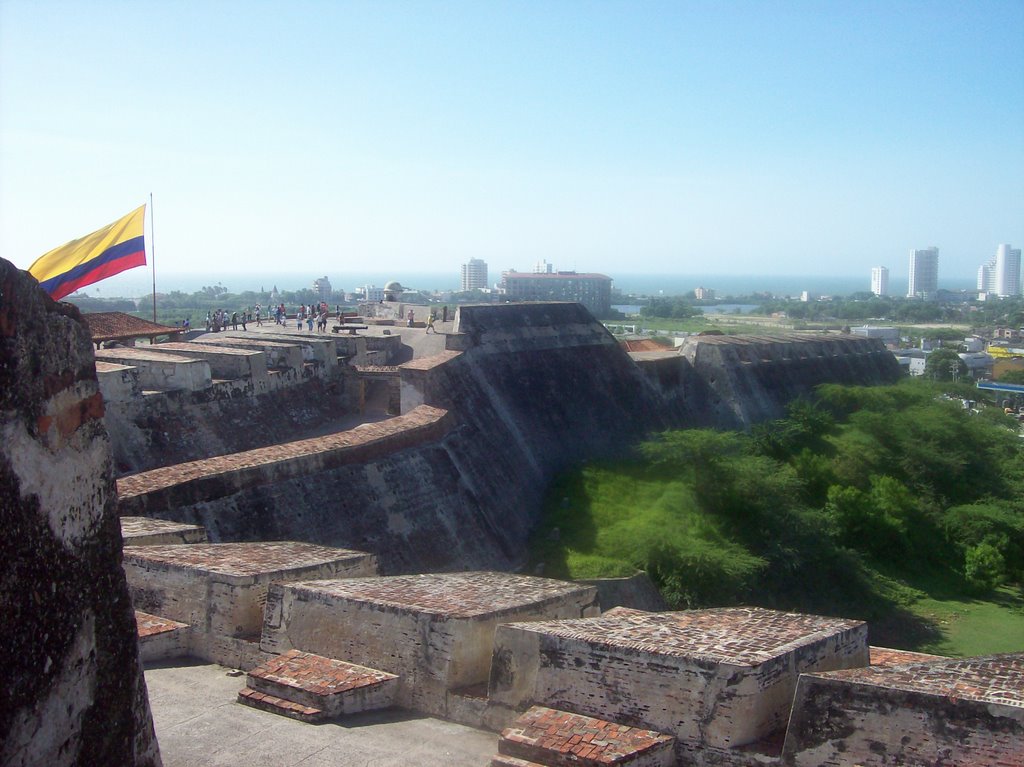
<point>234,320</point>
<point>309,321</point>
<point>209,322</point>
<point>430,323</point>
<point>412,316</point>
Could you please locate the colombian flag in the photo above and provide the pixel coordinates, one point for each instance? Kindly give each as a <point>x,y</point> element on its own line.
<point>92,258</point>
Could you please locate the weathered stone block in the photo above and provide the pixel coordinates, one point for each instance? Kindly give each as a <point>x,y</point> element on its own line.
<point>435,631</point>
<point>944,712</point>
<point>220,588</point>
<point>720,678</point>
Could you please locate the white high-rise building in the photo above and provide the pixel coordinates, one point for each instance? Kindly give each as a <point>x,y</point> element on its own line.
<point>474,275</point>
<point>986,277</point>
<point>880,280</point>
<point>924,273</point>
<point>1007,270</point>
<point>1001,275</point>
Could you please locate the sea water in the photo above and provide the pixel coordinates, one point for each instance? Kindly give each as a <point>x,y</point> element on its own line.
<point>136,283</point>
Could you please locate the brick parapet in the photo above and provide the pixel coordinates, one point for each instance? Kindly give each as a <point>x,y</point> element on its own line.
<point>198,481</point>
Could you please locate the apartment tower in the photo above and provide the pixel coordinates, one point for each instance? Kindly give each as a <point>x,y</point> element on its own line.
<point>880,280</point>
<point>924,273</point>
<point>474,275</point>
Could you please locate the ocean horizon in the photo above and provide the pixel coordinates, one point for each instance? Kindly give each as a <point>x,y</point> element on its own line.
<point>139,282</point>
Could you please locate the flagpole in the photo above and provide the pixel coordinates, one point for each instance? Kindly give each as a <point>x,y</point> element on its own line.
<point>152,251</point>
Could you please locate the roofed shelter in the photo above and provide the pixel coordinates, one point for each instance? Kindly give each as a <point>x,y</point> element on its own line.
<point>119,326</point>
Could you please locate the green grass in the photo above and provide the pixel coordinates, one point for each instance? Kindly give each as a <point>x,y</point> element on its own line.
<point>610,521</point>
<point>981,626</point>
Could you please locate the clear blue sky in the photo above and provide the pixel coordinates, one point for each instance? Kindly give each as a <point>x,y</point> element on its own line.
<point>719,137</point>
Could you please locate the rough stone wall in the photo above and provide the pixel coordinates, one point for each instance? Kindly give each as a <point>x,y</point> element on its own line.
<point>73,692</point>
<point>737,381</point>
<point>173,427</point>
<point>838,722</point>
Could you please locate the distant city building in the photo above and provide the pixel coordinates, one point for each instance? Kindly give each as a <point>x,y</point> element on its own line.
<point>322,288</point>
<point>805,296</point>
<point>594,291</point>
<point>703,294</point>
<point>474,275</point>
<point>924,273</point>
<point>372,293</point>
<point>880,280</point>
<point>890,336</point>
<point>543,267</point>
<point>986,283</point>
<point>1001,275</point>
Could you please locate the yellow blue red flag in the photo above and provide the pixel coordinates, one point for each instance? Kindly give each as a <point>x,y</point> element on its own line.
<point>104,253</point>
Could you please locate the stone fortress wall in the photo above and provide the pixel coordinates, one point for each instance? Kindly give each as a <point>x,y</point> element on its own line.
<point>527,390</point>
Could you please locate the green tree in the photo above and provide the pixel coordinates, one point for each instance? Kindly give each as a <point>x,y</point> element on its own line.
<point>944,365</point>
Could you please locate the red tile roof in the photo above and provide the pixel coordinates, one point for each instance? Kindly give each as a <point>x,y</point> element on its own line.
<point>108,326</point>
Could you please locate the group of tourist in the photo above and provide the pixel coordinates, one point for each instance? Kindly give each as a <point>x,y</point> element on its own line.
<point>311,314</point>
<point>219,319</point>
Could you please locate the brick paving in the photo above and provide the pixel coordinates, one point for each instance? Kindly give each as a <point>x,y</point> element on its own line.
<point>989,679</point>
<point>316,674</point>
<point>150,625</point>
<point>748,635</point>
<point>550,736</point>
<point>240,559</point>
<point>884,656</point>
<point>459,595</point>
<point>422,418</point>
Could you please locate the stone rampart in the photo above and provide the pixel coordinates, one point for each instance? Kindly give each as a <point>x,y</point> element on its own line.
<point>160,491</point>
<point>737,381</point>
<point>166,428</point>
<point>531,389</point>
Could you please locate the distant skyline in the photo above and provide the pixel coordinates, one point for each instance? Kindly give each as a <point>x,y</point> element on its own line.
<point>734,138</point>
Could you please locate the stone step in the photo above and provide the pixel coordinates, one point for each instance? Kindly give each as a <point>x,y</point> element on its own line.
<point>556,738</point>
<point>335,687</point>
<point>280,706</point>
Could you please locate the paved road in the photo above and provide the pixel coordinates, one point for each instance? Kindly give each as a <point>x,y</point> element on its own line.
<point>199,724</point>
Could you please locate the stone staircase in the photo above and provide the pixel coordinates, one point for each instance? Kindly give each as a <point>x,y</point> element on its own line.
<point>312,688</point>
<point>547,737</point>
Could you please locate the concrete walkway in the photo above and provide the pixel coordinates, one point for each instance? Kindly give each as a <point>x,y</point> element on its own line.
<point>198,723</point>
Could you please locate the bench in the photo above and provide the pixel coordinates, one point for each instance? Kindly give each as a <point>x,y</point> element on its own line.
<point>351,328</point>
